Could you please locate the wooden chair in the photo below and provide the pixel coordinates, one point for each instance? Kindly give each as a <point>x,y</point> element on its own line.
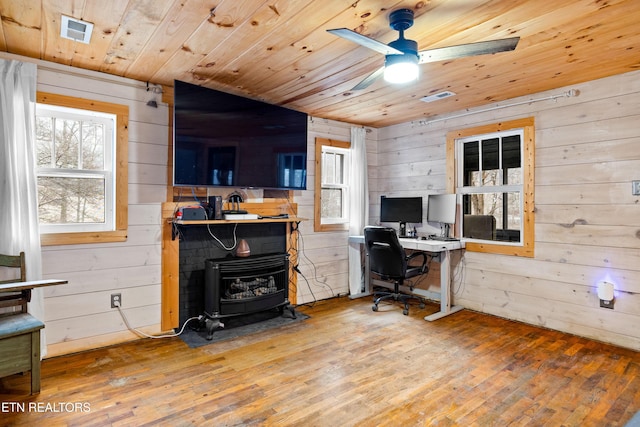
<point>19,331</point>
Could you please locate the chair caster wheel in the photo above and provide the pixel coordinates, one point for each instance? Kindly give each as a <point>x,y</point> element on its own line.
<point>374,308</point>
<point>405,312</point>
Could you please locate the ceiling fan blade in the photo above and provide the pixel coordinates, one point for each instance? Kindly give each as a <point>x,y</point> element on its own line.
<point>365,41</point>
<point>369,79</point>
<point>469,49</point>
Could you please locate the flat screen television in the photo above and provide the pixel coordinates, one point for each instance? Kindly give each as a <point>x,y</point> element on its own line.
<point>225,140</point>
<point>401,210</point>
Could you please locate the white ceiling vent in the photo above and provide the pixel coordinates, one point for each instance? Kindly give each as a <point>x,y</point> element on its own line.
<point>75,29</point>
<point>437,96</point>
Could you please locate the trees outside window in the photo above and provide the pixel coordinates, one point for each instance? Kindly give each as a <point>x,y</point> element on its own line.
<point>75,162</point>
<point>81,166</point>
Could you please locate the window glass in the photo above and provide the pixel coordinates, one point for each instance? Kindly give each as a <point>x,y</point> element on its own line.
<point>512,159</point>
<point>75,163</point>
<point>490,154</point>
<point>505,208</point>
<point>328,168</point>
<point>292,170</point>
<point>334,185</point>
<point>492,187</point>
<point>471,155</point>
<point>71,200</point>
<point>332,203</point>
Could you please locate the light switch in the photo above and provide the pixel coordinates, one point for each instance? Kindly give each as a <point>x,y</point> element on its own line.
<point>635,188</point>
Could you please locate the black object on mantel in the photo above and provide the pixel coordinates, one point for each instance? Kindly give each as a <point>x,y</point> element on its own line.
<point>194,213</point>
<point>235,199</point>
<point>215,206</point>
<point>280,216</point>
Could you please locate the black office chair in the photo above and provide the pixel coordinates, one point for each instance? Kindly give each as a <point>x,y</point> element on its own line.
<point>388,259</point>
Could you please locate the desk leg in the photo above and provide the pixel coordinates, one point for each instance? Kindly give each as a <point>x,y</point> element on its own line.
<point>355,273</point>
<point>445,289</point>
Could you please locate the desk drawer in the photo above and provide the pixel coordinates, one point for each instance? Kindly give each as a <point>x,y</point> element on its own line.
<point>15,354</point>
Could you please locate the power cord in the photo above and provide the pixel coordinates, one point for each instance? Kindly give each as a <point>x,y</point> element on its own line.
<point>144,334</point>
<point>459,274</point>
<point>235,238</point>
<point>193,192</point>
<point>315,270</point>
<point>308,287</point>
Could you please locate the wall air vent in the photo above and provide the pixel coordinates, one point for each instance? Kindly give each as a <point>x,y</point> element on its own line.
<point>74,29</point>
<point>437,96</point>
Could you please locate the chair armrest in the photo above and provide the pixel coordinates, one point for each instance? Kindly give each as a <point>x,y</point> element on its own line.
<point>424,266</point>
<point>416,255</point>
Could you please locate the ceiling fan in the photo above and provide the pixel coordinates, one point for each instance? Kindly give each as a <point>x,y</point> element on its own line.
<point>402,56</point>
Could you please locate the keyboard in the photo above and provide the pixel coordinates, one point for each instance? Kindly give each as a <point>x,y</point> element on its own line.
<point>443,239</point>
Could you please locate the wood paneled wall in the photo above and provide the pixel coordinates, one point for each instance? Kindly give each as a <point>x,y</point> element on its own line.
<point>323,255</point>
<point>587,220</point>
<point>78,315</point>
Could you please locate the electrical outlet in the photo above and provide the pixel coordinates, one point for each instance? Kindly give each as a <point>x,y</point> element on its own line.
<point>606,304</point>
<point>635,188</point>
<point>116,300</point>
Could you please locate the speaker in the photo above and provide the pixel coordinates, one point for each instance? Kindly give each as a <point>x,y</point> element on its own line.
<point>216,204</point>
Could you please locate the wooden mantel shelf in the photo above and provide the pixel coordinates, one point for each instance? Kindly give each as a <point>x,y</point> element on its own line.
<point>238,221</point>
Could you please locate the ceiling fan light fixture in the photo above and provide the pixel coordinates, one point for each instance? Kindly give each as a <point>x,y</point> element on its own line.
<point>402,55</point>
<point>400,69</point>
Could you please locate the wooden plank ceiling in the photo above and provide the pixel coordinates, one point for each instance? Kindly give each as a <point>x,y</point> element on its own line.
<point>279,51</point>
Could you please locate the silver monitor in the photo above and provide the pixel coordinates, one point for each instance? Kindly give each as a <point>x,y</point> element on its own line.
<point>441,208</point>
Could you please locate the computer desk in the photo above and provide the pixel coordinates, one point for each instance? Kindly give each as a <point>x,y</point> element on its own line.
<point>432,246</point>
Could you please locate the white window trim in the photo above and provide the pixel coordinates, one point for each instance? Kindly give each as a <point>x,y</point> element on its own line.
<point>318,224</point>
<point>344,186</point>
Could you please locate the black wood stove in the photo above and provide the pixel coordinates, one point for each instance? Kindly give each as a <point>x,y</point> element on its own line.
<point>239,286</point>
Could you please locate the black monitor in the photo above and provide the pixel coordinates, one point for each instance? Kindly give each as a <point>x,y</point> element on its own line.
<point>402,210</point>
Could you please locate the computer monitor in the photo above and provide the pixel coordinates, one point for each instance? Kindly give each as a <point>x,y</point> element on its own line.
<point>402,210</point>
<point>441,208</point>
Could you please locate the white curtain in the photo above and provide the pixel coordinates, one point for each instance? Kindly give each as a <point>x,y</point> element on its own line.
<point>18,197</point>
<point>359,204</point>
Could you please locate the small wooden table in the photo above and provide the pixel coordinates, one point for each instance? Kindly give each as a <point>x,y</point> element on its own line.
<point>20,332</point>
<point>27,286</point>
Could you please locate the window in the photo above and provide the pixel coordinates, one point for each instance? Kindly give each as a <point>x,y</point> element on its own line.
<point>75,162</point>
<point>332,185</point>
<point>492,173</point>
<point>81,166</point>
<point>292,171</point>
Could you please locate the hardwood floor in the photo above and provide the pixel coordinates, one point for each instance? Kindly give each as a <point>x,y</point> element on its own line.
<point>345,366</point>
